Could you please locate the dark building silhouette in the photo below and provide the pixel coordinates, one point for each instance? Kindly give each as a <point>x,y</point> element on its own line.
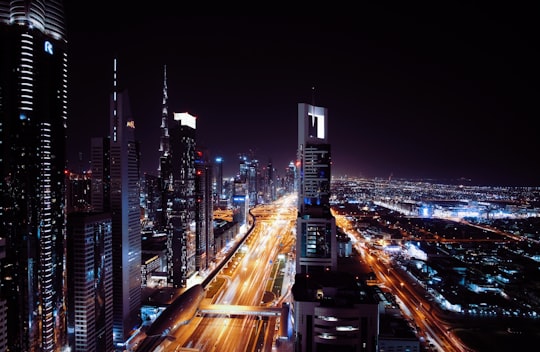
<point>152,199</point>
<point>33,116</point>
<point>268,184</point>
<point>240,201</point>
<point>204,210</point>
<point>89,276</point>
<point>219,195</point>
<point>179,199</point>
<point>100,154</point>
<point>78,191</point>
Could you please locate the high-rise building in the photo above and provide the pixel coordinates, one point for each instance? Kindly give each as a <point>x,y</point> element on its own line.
<point>33,119</point>
<point>3,302</point>
<point>164,145</point>
<point>151,185</point>
<point>164,168</point>
<point>78,191</point>
<point>249,174</point>
<point>289,181</point>
<point>125,215</point>
<point>333,309</point>
<point>268,183</point>
<point>316,227</point>
<point>179,197</point>
<point>100,197</point>
<point>89,277</point>
<point>218,181</point>
<point>240,201</point>
<point>204,210</point>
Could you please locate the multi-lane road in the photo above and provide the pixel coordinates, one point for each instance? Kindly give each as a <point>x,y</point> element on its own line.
<point>245,283</point>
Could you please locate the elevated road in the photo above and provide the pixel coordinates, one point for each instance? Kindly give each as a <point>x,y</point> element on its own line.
<point>178,313</point>
<point>228,309</point>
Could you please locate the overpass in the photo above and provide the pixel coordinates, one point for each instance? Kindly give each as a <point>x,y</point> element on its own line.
<point>227,309</point>
<point>178,313</point>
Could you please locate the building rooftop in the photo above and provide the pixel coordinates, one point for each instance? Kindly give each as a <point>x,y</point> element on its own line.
<point>332,288</point>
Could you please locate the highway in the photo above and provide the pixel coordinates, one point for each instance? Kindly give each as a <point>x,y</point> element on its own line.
<point>413,302</point>
<point>247,279</point>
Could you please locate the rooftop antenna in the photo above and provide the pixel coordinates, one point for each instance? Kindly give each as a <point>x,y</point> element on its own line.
<point>115,126</point>
<point>313,95</point>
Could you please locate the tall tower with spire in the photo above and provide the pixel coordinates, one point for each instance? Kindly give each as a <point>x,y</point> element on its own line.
<point>165,176</point>
<point>125,211</point>
<point>164,144</point>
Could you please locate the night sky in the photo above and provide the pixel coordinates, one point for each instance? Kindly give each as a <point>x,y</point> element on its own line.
<point>426,93</point>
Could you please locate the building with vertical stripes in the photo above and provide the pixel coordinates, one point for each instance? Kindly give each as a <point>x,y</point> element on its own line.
<point>125,215</point>
<point>33,120</point>
<point>89,276</point>
<point>204,211</point>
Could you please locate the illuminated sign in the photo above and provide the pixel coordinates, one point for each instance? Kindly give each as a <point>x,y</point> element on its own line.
<point>130,124</point>
<point>316,127</point>
<point>185,119</point>
<point>48,47</point>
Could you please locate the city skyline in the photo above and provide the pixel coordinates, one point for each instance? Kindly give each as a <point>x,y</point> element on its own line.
<point>442,97</point>
<point>88,262</point>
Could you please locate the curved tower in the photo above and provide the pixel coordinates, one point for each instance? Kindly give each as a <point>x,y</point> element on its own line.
<point>33,116</point>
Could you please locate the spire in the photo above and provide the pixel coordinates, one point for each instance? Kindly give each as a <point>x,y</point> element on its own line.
<point>164,145</point>
<point>115,122</point>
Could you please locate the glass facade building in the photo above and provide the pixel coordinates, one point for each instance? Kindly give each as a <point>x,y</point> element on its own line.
<point>33,119</point>
<point>125,215</point>
<point>89,275</point>
<point>316,244</point>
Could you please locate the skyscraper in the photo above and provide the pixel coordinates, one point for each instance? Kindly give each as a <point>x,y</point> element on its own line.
<point>316,227</point>
<point>333,310</point>
<point>204,211</point>
<point>100,188</point>
<point>179,196</point>
<point>218,176</point>
<point>33,118</point>
<point>164,141</point>
<point>164,168</point>
<point>125,214</point>
<point>89,276</point>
